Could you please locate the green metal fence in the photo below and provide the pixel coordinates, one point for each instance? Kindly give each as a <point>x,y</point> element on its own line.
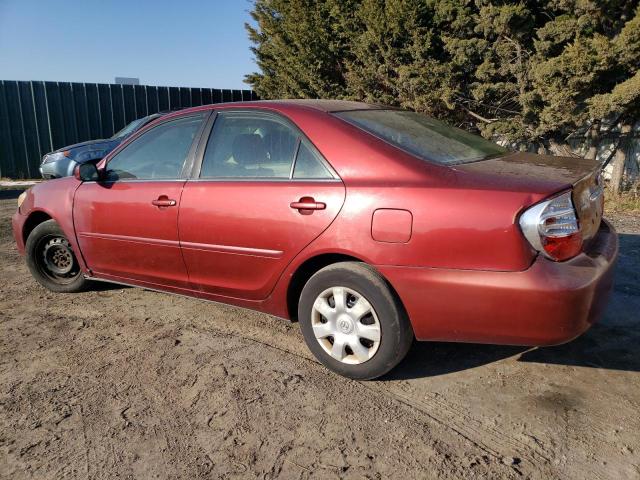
<point>38,117</point>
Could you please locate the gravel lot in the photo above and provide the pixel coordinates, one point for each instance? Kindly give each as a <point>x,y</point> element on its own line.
<point>126,383</point>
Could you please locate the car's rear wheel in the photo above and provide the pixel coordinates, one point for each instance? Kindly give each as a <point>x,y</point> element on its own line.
<point>352,321</point>
<point>52,261</point>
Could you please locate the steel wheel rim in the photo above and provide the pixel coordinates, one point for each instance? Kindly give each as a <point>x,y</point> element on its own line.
<point>55,259</point>
<point>346,325</point>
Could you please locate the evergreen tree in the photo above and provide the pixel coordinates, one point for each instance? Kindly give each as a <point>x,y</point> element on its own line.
<point>531,72</point>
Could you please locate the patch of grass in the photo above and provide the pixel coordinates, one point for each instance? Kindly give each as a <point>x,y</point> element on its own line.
<point>627,202</point>
<point>12,184</point>
<point>14,187</point>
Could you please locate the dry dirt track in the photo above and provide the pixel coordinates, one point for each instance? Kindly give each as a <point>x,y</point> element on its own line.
<point>127,383</point>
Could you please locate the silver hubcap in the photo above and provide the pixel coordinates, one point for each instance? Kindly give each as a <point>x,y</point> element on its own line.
<point>346,325</point>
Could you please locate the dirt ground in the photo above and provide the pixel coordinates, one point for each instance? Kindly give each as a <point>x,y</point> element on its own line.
<point>127,383</point>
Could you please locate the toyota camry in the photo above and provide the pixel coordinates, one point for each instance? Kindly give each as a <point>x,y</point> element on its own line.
<point>370,226</point>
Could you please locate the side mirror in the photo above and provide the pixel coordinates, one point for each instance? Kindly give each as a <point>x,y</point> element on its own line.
<point>86,172</point>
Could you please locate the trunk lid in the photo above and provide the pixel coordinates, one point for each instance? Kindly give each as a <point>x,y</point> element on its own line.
<point>545,175</point>
<point>588,200</point>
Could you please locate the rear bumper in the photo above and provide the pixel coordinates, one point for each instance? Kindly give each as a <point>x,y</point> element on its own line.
<point>549,303</point>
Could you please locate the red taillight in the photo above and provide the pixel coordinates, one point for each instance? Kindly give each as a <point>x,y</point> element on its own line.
<point>552,228</point>
<point>563,248</point>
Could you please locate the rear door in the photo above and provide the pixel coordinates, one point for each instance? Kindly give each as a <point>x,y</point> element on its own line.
<point>262,194</point>
<point>127,225</point>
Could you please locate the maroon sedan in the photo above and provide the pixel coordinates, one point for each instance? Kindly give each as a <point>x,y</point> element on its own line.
<point>370,226</point>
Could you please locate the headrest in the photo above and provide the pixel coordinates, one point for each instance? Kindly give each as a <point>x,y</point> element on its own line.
<point>249,149</point>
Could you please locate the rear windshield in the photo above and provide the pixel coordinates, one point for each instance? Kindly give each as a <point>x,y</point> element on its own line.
<point>422,136</point>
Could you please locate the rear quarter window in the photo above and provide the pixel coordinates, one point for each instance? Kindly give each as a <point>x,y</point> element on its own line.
<point>422,136</point>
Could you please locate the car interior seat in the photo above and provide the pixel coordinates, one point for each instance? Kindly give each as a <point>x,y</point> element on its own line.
<point>250,154</point>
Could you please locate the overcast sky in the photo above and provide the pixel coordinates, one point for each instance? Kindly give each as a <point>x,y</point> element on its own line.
<point>183,43</point>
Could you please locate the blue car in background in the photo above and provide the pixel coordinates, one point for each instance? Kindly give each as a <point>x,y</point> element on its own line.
<point>61,162</point>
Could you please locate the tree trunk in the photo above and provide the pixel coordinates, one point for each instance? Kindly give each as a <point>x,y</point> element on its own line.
<point>560,149</point>
<point>541,148</point>
<point>592,141</point>
<point>620,160</point>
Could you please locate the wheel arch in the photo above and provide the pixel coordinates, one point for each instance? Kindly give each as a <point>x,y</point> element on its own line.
<point>313,264</point>
<point>34,219</point>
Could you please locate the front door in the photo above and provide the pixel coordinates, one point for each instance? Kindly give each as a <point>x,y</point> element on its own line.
<point>263,194</point>
<point>127,224</point>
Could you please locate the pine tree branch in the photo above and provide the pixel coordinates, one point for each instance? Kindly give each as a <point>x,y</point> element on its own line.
<point>479,117</point>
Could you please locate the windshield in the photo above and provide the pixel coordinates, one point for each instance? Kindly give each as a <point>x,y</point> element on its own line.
<point>129,129</point>
<point>424,137</point>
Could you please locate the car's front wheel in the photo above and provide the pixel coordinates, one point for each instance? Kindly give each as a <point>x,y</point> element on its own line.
<point>352,321</point>
<point>52,261</point>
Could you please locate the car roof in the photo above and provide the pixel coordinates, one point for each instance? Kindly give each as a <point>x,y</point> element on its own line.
<point>327,106</point>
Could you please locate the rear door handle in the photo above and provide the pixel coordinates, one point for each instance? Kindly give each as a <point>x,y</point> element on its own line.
<point>163,201</point>
<point>307,204</point>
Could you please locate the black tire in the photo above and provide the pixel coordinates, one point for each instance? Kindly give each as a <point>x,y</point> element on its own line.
<point>52,261</point>
<point>396,334</point>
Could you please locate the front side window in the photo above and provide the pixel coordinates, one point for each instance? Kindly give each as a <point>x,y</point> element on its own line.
<point>422,136</point>
<point>246,145</point>
<point>157,154</point>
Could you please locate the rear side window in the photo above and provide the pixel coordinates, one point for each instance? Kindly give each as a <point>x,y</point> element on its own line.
<point>157,154</point>
<point>424,137</point>
<point>244,145</point>
<point>247,145</point>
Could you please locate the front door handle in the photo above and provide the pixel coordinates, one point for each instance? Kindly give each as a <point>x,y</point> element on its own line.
<point>163,201</point>
<point>306,205</point>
